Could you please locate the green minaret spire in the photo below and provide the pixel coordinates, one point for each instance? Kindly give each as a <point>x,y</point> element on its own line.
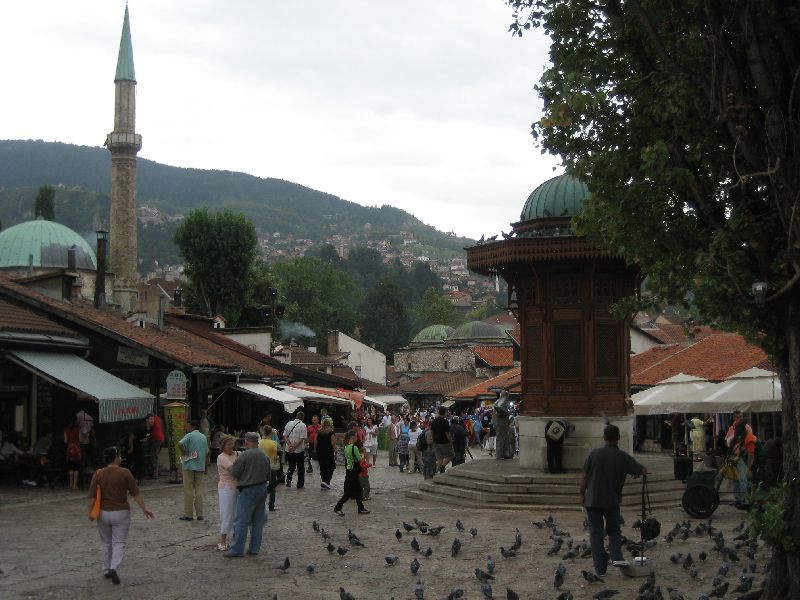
<point>125,71</point>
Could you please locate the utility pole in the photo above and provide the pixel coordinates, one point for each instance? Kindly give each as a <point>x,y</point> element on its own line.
<point>272,312</point>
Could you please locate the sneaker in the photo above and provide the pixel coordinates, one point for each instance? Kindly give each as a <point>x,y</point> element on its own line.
<point>324,486</point>
<point>288,484</point>
<point>339,512</point>
<point>222,547</point>
<point>112,575</point>
<point>363,512</point>
<point>200,518</point>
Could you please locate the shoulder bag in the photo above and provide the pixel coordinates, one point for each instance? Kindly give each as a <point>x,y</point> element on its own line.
<point>94,512</point>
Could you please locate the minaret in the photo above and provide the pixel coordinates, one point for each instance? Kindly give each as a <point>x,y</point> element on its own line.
<point>124,143</point>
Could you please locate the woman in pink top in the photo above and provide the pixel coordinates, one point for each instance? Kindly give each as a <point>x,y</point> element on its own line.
<point>226,488</point>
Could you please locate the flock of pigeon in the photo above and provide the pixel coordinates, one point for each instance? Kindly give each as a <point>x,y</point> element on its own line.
<point>743,550</point>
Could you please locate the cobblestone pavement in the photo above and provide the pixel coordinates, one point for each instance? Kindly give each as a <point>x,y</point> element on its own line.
<point>49,549</point>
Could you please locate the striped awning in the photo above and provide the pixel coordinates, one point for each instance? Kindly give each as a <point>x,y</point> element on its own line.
<point>118,399</point>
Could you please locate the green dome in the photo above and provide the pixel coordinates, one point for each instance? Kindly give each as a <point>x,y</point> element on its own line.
<point>560,196</point>
<point>433,334</point>
<point>475,330</point>
<point>47,242</point>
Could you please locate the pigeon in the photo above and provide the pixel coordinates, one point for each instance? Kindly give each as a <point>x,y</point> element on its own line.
<point>507,553</point>
<point>407,527</point>
<point>391,559</point>
<point>473,532</point>
<point>486,590</point>
<point>688,561</point>
<point>511,594</point>
<point>558,579</point>
<point>676,557</point>
<point>434,531</point>
<point>455,593</point>
<point>483,575</point>
<point>398,535</point>
<point>285,565</point>
<point>739,527</point>
<point>455,548</point>
<point>693,572</point>
<point>414,566</point>
<point>590,577</point>
<point>414,545</point>
<point>703,596</point>
<point>702,556</point>
<point>330,547</point>
<point>605,594</point>
<point>539,524</point>
<point>325,535</point>
<point>719,591</point>
<point>517,537</point>
<point>570,554</point>
<point>419,592</point>
<point>420,523</point>
<point>674,594</point>
<point>315,526</point>
<point>343,595</point>
<point>556,547</point>
<point>723,569</point>
<point>744,585</point>
<point>353,539</point>
<point>310,568</point>
<point>341,551</point>
<point>427,552</point>
<point>565,596</point>
<point>489,564</point>
<point>423,528</point>
<point>459,525</point>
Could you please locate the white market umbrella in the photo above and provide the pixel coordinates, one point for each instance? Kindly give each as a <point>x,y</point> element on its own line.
<point>753,390</point>
<point>652,401</point>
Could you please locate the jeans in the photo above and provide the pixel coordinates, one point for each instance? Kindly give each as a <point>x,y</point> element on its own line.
<point>193,492</point>
<point>113,526</point>
<point>613,522</point>
<point>250,513</point>
<point>458,457</point>
<point>403,461</point>
<point>740,487</point>
<point>296,460</point>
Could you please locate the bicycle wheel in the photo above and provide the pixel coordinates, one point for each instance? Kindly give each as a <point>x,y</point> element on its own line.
<point>700,501</point>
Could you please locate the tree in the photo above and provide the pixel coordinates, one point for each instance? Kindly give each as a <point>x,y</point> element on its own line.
<point>383,317</point>
<point>424,278</point>
<point>44,206</point>
<point>219,252</point>
<point>682,117</point>
<point>364,265</point>
<point>434,309</point>
<point>327,254</point>
<point>318,296</point>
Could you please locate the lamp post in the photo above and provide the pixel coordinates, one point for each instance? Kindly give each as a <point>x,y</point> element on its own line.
<point>272,312</point>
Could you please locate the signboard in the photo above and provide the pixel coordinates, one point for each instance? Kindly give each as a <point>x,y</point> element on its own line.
<point>176,385</point>
<point>129,356</point>
<point>124,409</point>
<point>175,415</point>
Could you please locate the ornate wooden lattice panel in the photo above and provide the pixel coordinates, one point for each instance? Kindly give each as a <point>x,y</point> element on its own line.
<point>534,365</point>
<point>607,351</point>
<point>566,290</point>
<point>568,351</point>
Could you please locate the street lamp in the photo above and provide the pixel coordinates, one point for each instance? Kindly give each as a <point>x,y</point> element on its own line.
<point>272,312</point>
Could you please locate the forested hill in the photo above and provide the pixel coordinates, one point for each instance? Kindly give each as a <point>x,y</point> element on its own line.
<point>273,205</point>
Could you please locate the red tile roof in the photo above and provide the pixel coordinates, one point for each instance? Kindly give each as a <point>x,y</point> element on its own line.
<point>715,357</point>
<point>302,356</point>
<point>511,381</point>
<point>668,333</point>
<point>495,356</point>
<point>506,318</point>
<point>439,383</point>
<point>173,345</point>
<point>516,335</point>
<point>375,389</point>
<point>18,319</point>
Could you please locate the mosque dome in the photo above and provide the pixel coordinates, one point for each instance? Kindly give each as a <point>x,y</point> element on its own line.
<point>476,330</point>
<point>433,334</point>
<point>560,196</point>
<point>47,242</point>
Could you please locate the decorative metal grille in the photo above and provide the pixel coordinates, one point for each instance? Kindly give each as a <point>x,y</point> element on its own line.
<point>568,351</point>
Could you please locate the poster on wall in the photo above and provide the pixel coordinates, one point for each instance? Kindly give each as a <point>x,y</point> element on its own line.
<point>175,416</point>
<point>176,385</point>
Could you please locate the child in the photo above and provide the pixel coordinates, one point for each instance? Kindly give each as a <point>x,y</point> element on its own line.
<point>363,476</point>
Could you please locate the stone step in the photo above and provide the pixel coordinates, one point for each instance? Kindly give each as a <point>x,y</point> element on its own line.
<point>552,506</point>
<point>467,472</point>
<point>538,498</point>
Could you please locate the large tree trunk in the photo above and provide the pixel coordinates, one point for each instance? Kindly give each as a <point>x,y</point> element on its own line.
<point>784,578</point>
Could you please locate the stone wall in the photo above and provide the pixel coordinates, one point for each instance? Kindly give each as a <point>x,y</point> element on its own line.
<point>437,359</point>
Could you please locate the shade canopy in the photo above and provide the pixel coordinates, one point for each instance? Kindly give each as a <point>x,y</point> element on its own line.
<point>390,400</point>
<point>118,399</point>
<point>289,402</point>
<point>315,396</point>
<point>753,390</point>
<point>652,401</point>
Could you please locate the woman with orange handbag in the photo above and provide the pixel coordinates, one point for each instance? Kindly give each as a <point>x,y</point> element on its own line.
<point>113,484</point>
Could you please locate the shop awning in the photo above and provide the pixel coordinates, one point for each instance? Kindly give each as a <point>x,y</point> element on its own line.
<point>262,390</point>
<point>118,399</point>
<point>309,394</point>
<point>390,399</point>
<point>448,403</point>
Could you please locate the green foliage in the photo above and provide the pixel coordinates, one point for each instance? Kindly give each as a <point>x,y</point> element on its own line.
<point>383,316</point>
<point>767,517</point>
<point>219,252</point>
<point>318,296</point>
<point>435,309</point>
<point>44,206</point>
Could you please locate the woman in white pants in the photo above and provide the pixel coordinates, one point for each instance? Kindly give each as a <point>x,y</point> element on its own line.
<point>226,488</point>
<point>115,513</point>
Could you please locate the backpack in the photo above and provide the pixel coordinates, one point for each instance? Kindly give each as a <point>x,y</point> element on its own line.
<point>74,453</point>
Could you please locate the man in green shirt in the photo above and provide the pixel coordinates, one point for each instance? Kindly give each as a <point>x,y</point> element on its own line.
<point>251,471</point>
<point>194,460</point>
<point>604,474</point>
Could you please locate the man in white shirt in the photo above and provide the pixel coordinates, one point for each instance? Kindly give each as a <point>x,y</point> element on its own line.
<point>392,433</point>
<point>295,435</point>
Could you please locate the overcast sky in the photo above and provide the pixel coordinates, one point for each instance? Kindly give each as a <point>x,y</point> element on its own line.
<point>421,104</point>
